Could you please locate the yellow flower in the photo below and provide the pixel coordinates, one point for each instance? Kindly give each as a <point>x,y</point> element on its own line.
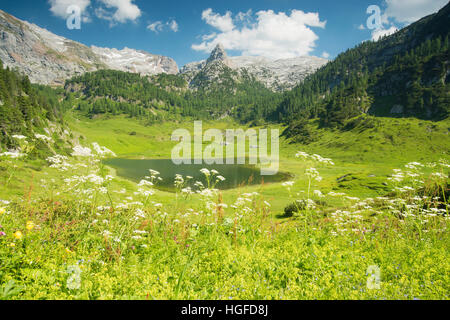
<point>68,250</point>
<point>12,244</point>
<point>30,225</point>
<point>2,211</point>
<point>18,235</point>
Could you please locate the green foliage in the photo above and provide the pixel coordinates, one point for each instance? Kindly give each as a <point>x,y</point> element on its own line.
<point>85,239</point>
<point>24,108</point>
<point>300,132</point>
<point>411,66</point>
<point>165,97</point>
<point>295,207</point>
<point>9,290</point>
<point>362,123</point>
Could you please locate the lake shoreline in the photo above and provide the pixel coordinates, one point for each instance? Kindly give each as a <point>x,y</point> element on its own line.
<point>236,175</point>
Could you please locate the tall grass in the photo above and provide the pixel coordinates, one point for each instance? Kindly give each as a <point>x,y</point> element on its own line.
<point>82,238</point>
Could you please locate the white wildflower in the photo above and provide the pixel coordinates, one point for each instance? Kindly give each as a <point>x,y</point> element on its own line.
<point>79,151</point>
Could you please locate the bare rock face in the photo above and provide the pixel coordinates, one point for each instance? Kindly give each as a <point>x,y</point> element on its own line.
<point>282,74</point>
<point>218,53</point>
<point>130,60</point>
<point>50,59</point>
<point>277,75</point>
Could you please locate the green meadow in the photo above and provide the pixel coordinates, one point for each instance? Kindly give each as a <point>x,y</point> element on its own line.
<point>74,229</point>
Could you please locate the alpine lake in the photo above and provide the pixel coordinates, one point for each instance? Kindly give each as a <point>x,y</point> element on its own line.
<point>236,175</point>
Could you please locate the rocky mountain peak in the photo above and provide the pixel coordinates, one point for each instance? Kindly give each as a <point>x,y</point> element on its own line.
<point>218,54</point>
<point>278,75</point>
<point>50,59</point>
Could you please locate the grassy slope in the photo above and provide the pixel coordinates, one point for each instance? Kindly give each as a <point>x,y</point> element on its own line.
<point>372,152</point>
<point>271,259</point>
<point>368,156</point>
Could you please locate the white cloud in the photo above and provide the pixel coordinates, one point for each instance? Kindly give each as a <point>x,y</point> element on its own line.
<point>223,23</point>
<point>59,8</point>
<point>408,11</point>
<point>270,34</point>
<point>379,33</point>
<point>361,27</point>
<point>173,25</point>
<point>159,26</point>
<point>404,12</point>
<point>208,37</point>
<point>245,16</point>
<point>325,55</point>
<point>156,26</point>
<point>118,11</point>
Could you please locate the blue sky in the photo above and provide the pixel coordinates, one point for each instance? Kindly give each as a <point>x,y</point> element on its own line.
<point>187,30</point>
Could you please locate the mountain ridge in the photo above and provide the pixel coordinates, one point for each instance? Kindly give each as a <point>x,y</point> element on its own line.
<point>406,74</point>
<point>50,59</point>
<point>275,74</point>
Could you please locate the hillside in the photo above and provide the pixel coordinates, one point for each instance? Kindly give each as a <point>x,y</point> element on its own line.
<point>50,59</point>
<point>47,58</point>
<point>167,97</point>
<point>277,75</point>
<point>30,111</point>
<point>403,75</point>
